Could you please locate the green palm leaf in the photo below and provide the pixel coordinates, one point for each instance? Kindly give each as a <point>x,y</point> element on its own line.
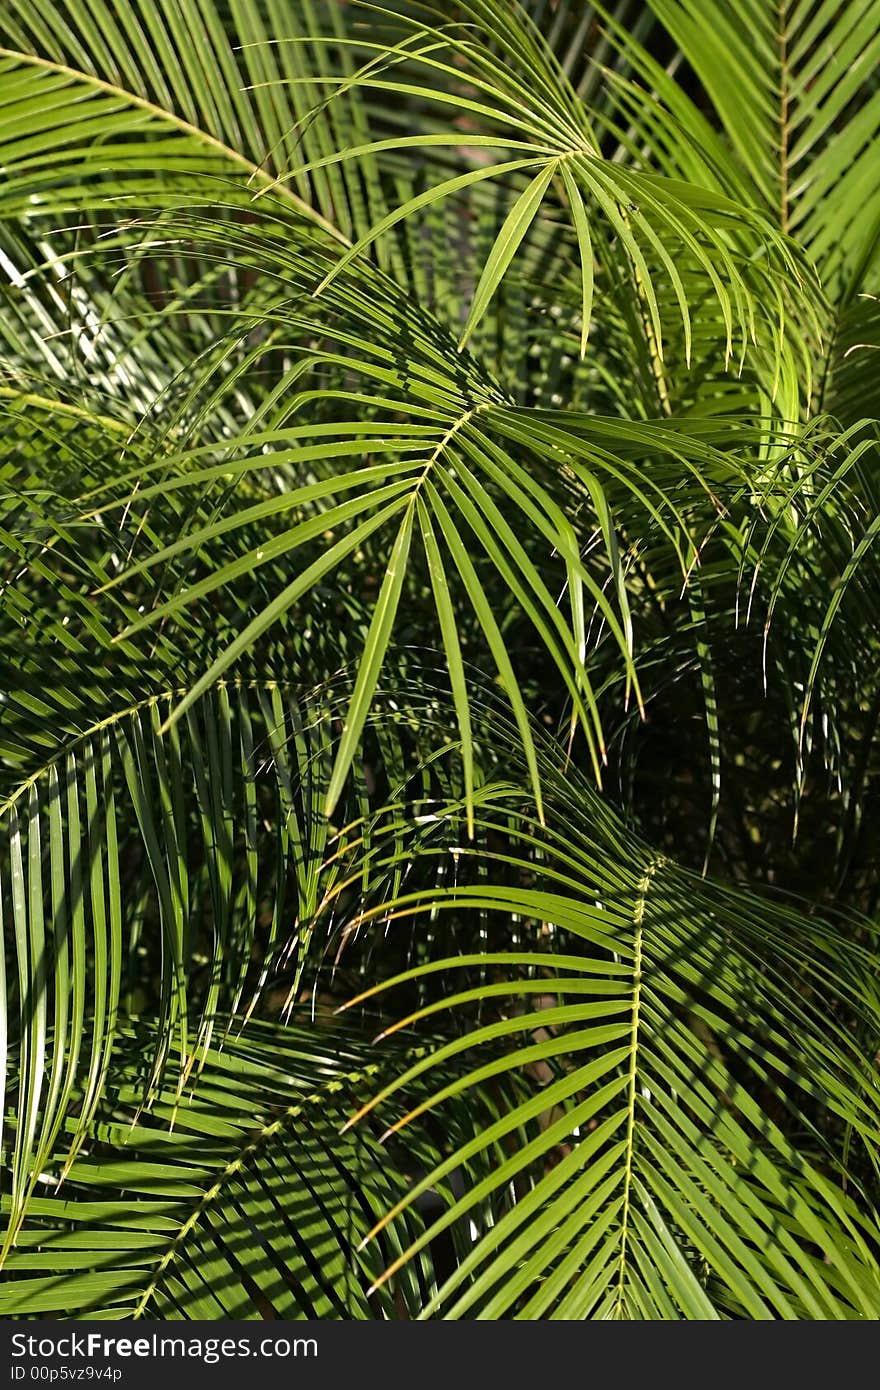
<point>413,421</point>
<point>666,1186</point>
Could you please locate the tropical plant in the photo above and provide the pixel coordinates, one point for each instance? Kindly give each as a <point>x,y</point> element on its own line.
<point>438,491</point>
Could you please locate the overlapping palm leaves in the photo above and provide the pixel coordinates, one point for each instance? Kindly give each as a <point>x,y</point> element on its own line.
<point>666,1110</point>
<point>242,1200</point>
<point>337,330</point>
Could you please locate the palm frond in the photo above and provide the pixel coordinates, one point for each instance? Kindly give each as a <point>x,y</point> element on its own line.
<point>414,421</point>
<point>233,1196</point>
<point>666,1182</point>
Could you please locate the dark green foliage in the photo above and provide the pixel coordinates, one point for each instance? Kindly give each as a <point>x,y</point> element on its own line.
<point>438,495</point>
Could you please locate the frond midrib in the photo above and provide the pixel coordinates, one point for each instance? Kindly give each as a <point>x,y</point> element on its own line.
<point>233,1166</point>
<point>255,171</point>
<point>653,868</point>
